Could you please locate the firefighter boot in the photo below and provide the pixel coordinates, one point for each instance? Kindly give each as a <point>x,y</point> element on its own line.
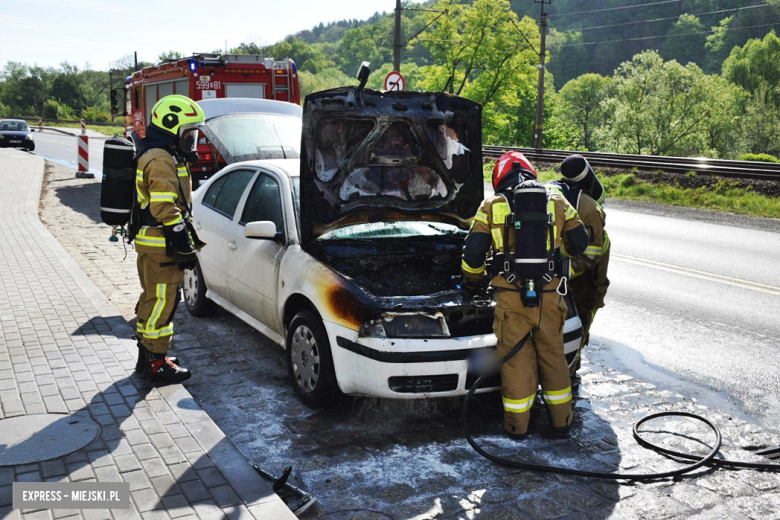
<point>139,365</point>
<point>159,367</point>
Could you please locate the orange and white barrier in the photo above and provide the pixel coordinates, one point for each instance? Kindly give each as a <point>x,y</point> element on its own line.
<point>83,157</point>
<point>83,127</point>
<point>40,124</point>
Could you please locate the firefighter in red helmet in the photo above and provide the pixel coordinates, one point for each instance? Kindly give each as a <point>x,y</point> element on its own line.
<point>541,360</point>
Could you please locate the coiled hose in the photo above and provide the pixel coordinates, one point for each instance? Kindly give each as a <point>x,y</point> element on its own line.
<point>707,460</point>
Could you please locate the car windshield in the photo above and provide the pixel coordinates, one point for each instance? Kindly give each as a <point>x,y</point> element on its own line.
<point>244,137</point>
<point>13,126</point>
<point>393,230</point>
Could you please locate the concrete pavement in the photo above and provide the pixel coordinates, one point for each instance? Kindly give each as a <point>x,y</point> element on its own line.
<point>408,459</point>
<point>65,349</point>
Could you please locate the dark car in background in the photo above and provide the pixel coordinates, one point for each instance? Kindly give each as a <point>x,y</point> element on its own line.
<point>15,133</point>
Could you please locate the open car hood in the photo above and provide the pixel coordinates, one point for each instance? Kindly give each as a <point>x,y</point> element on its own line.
<point>370,156</point>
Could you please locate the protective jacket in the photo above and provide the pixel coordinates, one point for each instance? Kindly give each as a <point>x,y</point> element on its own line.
<point>542,360</point>
<point>487,230</point>
<point>164,193</point>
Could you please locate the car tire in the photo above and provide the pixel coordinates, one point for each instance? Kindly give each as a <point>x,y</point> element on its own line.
<point>194,288</point>
<point>310,362</point>
<point>31,148</point>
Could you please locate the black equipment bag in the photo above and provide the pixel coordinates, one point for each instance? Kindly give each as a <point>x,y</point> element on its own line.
<point>117,191</point>
<point>533,228</point>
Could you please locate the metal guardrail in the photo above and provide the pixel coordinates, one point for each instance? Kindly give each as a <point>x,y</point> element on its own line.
<point>717,167</point>
<point>77,121</point>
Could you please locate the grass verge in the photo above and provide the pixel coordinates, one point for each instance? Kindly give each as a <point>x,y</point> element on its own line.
<point>105,130</point>
<point>723,195</point>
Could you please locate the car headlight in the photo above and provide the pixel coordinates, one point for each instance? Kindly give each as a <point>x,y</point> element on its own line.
<point>406,325</point>
<point>28,136</point>
<point>2,137</point>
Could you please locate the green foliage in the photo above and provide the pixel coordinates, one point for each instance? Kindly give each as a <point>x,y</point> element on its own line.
<point>94,114</point>
<point>683,43</point>
<point>762,157</point>
<point>756,65</point>
<point>327,79</point>
<point>170,55</point>
<point>583,107</point>
<point>54,110</point>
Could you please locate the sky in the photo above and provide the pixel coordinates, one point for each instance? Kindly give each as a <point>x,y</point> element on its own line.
<point>97,32</point>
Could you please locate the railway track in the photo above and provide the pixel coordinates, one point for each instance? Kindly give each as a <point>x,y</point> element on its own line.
<point>717,167</point>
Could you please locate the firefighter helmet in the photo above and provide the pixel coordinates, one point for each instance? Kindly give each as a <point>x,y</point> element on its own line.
<point>173,112</point>
<point>511,162</point>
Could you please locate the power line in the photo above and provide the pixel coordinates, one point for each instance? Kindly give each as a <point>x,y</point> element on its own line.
<point>618,8</point>
<point>664,19</point>
<point>668,35</point>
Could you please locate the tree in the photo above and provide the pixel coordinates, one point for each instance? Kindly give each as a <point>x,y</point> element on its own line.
<point>756,65</point>
<point>583,106</point>
<point>170,55</point>
<point>660,108</point>
<point>355,47</point>
<point>760,126</point>
<point>682,42</point>
<point>567,59</point>
<point>326,79</point>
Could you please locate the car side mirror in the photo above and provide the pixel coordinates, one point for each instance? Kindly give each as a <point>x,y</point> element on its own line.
<point>261,229</point>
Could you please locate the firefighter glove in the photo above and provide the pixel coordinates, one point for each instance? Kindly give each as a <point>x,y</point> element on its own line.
<point>186,260</point>
<point>178,237</point>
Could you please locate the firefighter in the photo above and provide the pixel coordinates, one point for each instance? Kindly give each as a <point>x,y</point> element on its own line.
<point>542,358</point>
<point>166,241</point>
<point>588,276</point>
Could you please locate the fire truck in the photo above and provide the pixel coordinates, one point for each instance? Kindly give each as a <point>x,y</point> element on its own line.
<point>205,76</point>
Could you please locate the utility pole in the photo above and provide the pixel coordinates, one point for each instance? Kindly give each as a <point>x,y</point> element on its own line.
<point>110,85</point>
<point>136,61</point>
<point>540,93</point>
<point>397,38</point>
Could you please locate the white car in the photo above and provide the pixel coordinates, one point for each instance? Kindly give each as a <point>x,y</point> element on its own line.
<point>350,257</point>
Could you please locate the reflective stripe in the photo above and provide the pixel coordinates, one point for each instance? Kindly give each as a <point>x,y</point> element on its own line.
<point>557,396</point>
<point>160,333</point>
<point>596,250</point>
<point>139,176</point>
<point>174,221</point>
<point>181,171</point>
<point>466,267</point>
<point>162,196</point>
<point>498,240</point>
<point>551,211</point>
<point>481,216</point>
<point>570,213</point>
<point>500,211</point>
<point>158,307</point>
<point>519,405</point>
<point>143,240</point>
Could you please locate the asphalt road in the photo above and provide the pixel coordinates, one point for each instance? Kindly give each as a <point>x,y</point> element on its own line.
<point>693,306</point>
<point>63,150</point>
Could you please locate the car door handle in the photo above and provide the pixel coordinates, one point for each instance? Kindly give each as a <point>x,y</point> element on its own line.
<point>232,245</point>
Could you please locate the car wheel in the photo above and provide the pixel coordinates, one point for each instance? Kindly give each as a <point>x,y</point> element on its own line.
<point>309,361</point>
<point>31,147</point>
<point>195,293</point>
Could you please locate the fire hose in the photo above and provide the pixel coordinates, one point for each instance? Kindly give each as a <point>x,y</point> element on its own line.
<point>706,460</point>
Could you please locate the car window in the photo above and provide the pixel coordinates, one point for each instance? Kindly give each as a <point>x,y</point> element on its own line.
<point>223,195</point>
<point>243,137</point>
<point>14,126</point>
<point>231,192</point>
<point>264,202</point>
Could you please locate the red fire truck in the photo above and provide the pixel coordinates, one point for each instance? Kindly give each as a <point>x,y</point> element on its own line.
<point>205,76</point>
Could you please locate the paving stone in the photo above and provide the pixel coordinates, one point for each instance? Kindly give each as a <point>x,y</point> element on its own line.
<point>195,491</point>
<point>155,467</point>
<point>177,506</point>
<point>211,477</point>
<point>81,471</point>
<point>208,510</point>
<point>137,480</point>
<point>53,468</point>
<point>164,485</point>
<point>127,463</point>
<point>108,474</point>
<point>225,496</point>
<point>145,499</point>
<point>182,472</point>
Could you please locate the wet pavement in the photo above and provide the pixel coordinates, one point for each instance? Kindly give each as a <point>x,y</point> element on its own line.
<point>408,459</point>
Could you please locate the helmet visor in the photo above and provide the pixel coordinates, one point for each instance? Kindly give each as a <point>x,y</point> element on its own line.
<point>188,139</point>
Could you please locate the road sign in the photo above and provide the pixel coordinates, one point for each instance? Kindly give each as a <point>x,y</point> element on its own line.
<point>394,81</point>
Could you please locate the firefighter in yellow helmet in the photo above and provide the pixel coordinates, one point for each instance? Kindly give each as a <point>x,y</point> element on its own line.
<point>164,237</point>
<point>541,360</point>
<point>588,280</point>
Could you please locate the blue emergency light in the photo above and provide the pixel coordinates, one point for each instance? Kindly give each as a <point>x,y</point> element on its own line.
<point>193,66</point>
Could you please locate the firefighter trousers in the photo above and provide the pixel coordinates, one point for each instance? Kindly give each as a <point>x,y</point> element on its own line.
<point>540,361</point>
<point>161,281</point>
<point>588,291</point>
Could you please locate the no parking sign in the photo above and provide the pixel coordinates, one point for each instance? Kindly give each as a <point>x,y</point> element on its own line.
<point>394,81</point>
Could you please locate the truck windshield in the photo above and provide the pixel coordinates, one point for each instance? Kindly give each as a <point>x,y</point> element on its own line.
<point>245,137</point>
<point>393,230</point>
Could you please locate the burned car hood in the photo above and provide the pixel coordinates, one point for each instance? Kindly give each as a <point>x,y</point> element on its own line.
<point>369,156</point>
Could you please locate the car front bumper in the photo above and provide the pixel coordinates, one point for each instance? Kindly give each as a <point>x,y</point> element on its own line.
<point>399,368</point>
